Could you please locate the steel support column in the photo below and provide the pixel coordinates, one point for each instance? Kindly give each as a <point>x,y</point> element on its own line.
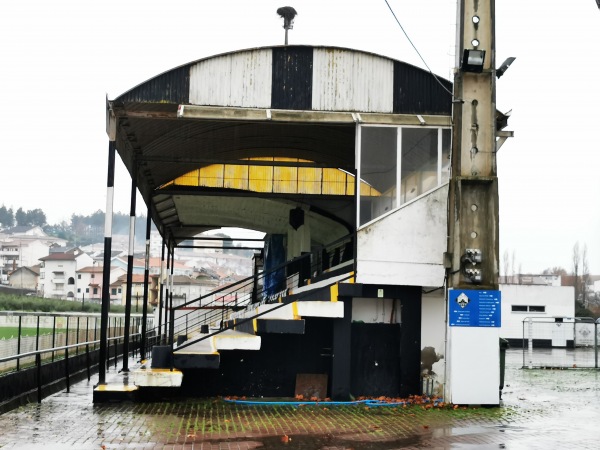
<point>170,297</point>
<point>163,332</point>
<point>106,268</point>
<point>129,274</point>
<point>143,348</point>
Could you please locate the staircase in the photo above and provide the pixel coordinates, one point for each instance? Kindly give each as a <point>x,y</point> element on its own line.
<point>235,316</point>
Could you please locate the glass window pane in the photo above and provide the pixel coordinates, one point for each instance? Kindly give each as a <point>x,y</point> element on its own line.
<point>446,145</point>
<point>378,169</point>
<point>418,162</point>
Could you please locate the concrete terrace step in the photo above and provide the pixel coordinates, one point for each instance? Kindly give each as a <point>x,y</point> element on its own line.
<point>203,352</point>
<point>120,386</point>
<point>318,299</point>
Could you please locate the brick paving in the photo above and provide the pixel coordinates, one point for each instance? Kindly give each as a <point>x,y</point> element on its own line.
<point>542,409</point>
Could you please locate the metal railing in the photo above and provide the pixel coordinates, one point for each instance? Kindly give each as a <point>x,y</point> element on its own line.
<point>38,357</point>
<point>212,310</point>
<point>43,331</point>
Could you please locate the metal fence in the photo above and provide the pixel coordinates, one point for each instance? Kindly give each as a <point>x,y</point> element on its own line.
<point>34,332</point>
<point>39,350</point>
<point>561,342</point>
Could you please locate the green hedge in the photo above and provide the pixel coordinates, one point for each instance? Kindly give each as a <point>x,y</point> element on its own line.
<point>10,302</point>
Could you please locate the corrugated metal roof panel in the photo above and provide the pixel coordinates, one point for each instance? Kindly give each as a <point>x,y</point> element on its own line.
<point>292,78</point>
<point>170,87</point>
<point>417,91</point>
<point>352,81</point>
<point>238,79</point>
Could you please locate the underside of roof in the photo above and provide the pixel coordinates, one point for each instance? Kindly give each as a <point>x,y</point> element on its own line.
<point>285,107</point>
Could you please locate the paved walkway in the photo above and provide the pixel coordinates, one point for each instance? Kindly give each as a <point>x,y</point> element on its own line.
<point>543,409</point>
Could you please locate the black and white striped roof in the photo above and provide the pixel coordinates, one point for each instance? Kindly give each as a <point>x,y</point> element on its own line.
<point>282,102</point>
<point>300,78</point>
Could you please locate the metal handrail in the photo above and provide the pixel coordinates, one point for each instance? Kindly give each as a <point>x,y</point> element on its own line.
<point>38,359</point>
<point>283,303</point>
<point>57,349</point>
<point>251,283</point>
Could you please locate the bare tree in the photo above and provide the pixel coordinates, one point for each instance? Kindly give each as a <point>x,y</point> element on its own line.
<point>512,267</point>
<point>576,259</point>
<point>585,274</point>
<point>556,270</point>
<point>505,265</point>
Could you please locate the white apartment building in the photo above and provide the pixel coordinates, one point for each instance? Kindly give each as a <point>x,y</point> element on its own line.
<point>58,273</point>
<point>23,247</point>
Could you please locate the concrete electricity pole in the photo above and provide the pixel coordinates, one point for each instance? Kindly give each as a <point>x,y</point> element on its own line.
<point>474,301</point>
<point>473,255</point>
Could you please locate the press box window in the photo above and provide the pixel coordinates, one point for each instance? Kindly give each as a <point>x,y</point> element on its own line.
<point>399,164</point>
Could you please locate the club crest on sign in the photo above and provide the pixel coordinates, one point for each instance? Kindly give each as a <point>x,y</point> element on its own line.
<point>462,300</point>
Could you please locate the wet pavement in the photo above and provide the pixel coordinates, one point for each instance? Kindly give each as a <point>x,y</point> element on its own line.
<point>543,409</point>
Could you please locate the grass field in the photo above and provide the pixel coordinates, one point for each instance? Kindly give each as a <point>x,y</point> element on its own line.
<point>12,332</point>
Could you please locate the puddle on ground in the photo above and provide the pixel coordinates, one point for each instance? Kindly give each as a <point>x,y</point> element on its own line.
<point>316,442</point>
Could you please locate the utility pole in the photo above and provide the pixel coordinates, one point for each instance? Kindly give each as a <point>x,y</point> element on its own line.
<point>472,261</point>
<point>473,202</point>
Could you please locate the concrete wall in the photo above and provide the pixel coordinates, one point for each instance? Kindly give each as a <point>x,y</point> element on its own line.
<point>407,246</point>
<point>433,341</point>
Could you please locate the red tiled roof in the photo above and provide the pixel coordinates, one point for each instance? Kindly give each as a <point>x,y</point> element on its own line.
<point>91,269</point>
<point>135,278</point>
<point>59,257</point>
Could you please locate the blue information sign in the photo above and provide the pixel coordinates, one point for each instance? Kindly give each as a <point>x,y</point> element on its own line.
<point>474,308</point>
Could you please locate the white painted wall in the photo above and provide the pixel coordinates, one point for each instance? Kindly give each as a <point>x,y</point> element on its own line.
<point>433,334</point>
<point>375,310</point>
<point>558,301</point>
<point>473,366</point>
<point>406,247</point>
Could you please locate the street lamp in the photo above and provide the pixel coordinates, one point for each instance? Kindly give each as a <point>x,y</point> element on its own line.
<point>506,64</point>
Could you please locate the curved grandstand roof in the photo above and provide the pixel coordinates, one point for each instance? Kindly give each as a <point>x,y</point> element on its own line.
<point>283,106</point>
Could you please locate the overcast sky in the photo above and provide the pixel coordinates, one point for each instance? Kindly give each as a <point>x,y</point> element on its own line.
<point>59,59</point>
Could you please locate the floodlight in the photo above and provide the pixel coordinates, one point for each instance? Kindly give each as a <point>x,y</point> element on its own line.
<point>472,60</point>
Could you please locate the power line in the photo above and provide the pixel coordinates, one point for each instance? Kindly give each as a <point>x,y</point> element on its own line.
<point>416,50</point>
